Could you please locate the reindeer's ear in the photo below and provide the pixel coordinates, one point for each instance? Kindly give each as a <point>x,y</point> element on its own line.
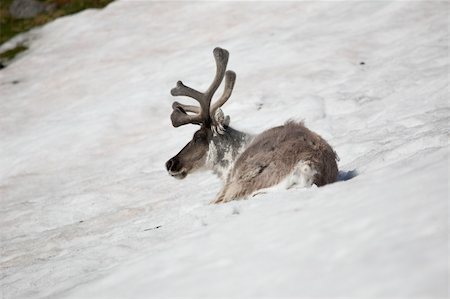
<point>220,121</point>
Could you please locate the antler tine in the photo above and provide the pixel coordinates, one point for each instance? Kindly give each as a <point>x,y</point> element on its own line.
<point>230,79</point>
<point>179,116</point>
<point>221,57</point>
<point>186,108</point>
<point>183,90</point>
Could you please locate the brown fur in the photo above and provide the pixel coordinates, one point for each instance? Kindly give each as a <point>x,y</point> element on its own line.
<point>273,155</point>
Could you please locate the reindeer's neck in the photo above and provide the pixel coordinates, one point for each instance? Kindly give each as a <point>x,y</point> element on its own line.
<point>224,150</point>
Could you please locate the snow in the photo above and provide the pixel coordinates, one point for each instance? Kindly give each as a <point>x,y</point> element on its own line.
<point>88,210</point>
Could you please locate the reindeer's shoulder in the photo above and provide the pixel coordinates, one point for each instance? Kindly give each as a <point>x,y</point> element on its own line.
<point>290,129</point>
<point>275,141</point>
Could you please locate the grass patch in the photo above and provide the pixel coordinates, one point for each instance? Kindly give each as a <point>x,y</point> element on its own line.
<point>9,26</point>
<point>8,55</point>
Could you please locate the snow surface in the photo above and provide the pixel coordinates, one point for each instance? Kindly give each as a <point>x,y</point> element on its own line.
<point>88,210</point>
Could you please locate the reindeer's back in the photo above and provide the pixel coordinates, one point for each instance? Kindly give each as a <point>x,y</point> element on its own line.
<point>274,154</point>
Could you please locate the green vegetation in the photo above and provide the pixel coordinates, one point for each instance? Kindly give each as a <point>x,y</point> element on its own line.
<point>9,26</point>
<point>8,55</point>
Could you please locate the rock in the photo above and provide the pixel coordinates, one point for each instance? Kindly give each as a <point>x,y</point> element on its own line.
<point>23,9</point>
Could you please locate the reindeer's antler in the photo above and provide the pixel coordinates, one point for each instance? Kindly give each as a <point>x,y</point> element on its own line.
<point>219,120</point>
<point>205,114</point>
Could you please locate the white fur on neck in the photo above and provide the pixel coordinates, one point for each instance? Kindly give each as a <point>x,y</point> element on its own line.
<point>223,167</point>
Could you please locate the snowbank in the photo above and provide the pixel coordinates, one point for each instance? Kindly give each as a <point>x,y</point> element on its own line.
<point>88,211</point>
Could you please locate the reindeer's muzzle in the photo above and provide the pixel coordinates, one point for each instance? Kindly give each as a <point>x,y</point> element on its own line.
<point>175,168</point>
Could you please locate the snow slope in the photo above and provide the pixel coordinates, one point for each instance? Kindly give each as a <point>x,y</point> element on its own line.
<point>88,211</point>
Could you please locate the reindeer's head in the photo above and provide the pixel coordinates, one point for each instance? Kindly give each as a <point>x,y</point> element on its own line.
<point>209,117</point>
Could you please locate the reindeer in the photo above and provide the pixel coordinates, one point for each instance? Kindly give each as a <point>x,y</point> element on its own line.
<point>282,156</point>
